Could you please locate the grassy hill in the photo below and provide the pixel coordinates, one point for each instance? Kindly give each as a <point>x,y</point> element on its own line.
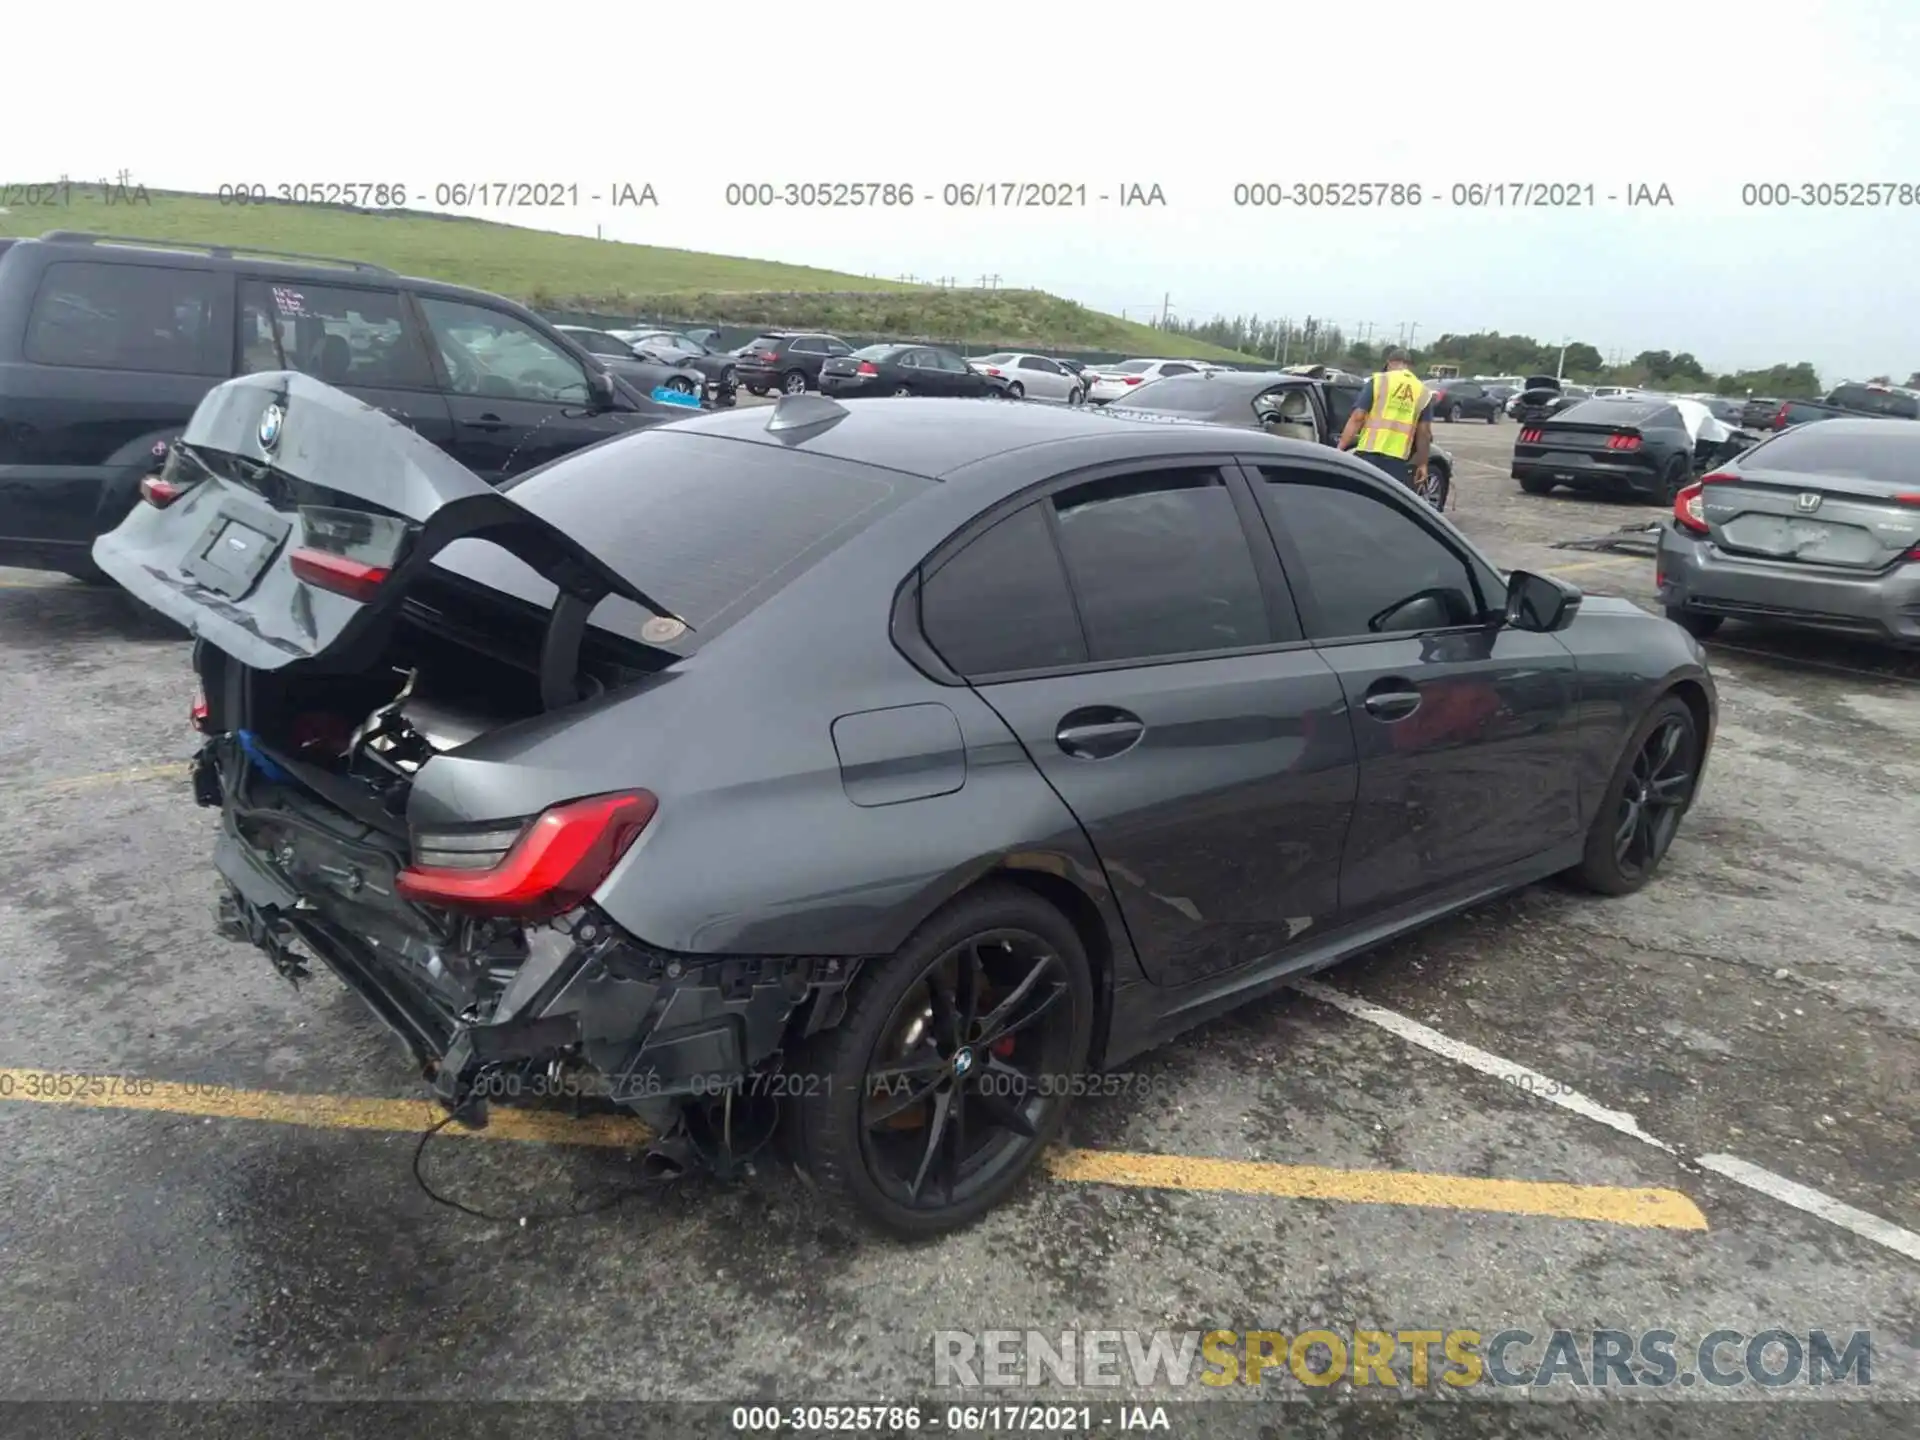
<point>568,272</point>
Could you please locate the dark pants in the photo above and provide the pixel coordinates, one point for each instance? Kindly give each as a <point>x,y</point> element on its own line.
<point>1391,465</point>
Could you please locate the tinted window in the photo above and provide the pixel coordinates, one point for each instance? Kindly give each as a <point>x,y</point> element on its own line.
<point>1160,565</point>
<point>488,352</point>
<point>1876,402</point>
<point>1002,603</point>
<point>1889,454</point>
<point>595,343</point>
<point>809,345</point>
<point>1359,556</point>
<point>128,317</point>
<point>766,342</point>
<point>1608,411</point>
<point>1176,370</point>
<point>1190,395</point>
<point>710,528</point>
<point>339,335</point>
<point>947,360</point>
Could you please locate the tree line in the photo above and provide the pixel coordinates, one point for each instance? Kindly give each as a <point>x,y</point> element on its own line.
<point>1289,342</point>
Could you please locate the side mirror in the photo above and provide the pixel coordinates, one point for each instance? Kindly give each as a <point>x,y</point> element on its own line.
<point>1540,602</point>
<point>600,389</point>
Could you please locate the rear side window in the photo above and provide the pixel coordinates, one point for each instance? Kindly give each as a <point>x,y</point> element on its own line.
<point>1876,402</point>
<point>1001,604</point>
<point>129,317</point>
<point>1160,565</point>
<point>710,528</point>
<point>1888,456</point>
<point>340,335</point>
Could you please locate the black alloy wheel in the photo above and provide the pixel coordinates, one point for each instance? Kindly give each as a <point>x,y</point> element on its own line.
<point>1673,479</point>
<point>953,1068</point>
<point>1651,790</point>
<point>680,385</point>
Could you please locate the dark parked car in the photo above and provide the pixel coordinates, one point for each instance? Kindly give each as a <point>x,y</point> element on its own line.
<point>1885,402</point>
<point>685,347</point>
<point>107,346</point>
<point>905,370</point>
<point>1467,400</point>
<point>870,747</point>
<point>650,374</point>
<point>1758,412</point>
<point>787,361</point>
<point>1292,406</point>
<point>1622,445</point>
<point>1818,526</point>
<point>1542,396</point>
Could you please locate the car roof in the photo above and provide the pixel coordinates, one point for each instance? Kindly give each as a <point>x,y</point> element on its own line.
<point>932,437</point>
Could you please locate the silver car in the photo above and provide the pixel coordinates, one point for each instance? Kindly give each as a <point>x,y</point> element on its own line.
<point>1032,377</point>
<point>1817,526</point>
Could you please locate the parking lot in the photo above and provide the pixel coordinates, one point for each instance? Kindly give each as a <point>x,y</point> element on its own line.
<point>226,1205</point>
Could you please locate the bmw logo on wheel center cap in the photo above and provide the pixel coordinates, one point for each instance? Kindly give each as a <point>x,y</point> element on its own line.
<point>270,423</point>
<point>962,1062</point>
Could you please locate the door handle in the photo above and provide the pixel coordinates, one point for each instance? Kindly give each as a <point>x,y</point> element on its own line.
<point>1099,732</point>
<point>1390,700</point>
<point>486,422</point>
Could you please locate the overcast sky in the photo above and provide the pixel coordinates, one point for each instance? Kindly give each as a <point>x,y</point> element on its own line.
<point>1700,97</point>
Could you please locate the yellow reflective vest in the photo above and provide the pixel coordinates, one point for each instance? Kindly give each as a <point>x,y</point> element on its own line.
<point>1394,414</point>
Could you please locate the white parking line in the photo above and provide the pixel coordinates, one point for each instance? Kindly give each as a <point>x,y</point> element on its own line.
<point>1485,1061</point>
<point>1788,1192</point>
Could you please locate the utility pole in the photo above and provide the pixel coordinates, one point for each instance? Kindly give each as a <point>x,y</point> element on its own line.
<point>1560,370</point>
<point>1166,308</point>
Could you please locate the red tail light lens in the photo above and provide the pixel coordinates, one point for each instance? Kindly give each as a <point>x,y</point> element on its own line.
<point>1623,442</point>
<point>1911,497</point>
<point>1533,435</point>
<point>161,493</point>
<point>767,357</point>
<point>993,370</point>
<point>1131,380</point>
<point>1688,511</point>
<point>866,367</point>
<point>1780,418</point>
<point>1720,477</point>
<point>354,579</point>
<point>555,865</point>
<point>201,714</point>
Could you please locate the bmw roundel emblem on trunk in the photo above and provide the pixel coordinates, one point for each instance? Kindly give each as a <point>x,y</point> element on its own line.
<point>270,423</point>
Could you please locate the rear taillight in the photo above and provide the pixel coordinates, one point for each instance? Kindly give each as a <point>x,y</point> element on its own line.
<point>160,492</point>
<point>354,579</point>
<point>992,370</point>
<point>866,367</point>
<point>1131,379</point>
<point>554,865</point>
<point>1623,442</point>
<point>1688,510</point>
<point>200,716</point>
<point>1910,497</point>
<point>1532,436</point>
<point>1780,418</point>
<point>767,357</point>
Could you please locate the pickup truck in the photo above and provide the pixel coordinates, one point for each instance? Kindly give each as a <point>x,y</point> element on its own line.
<point>1302,407</point>
<point>1887,402</point>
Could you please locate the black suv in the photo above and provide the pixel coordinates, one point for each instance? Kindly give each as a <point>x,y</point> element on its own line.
<point>787,360</point>
<point>108,343</point>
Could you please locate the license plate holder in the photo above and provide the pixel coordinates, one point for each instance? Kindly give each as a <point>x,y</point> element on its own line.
<point>235,548</point>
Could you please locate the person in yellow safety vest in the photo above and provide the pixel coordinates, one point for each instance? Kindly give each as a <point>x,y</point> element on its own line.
<point>1392,422</point>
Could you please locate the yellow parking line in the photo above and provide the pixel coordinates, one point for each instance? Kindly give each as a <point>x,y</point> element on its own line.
<point>1600,564</point>
<point>1607,1204</point>
<point>162,769</point>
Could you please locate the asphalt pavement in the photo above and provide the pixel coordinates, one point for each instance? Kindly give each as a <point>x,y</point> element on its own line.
<point>1692,1109</point>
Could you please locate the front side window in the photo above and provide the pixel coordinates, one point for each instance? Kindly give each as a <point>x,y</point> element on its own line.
<point>1367,566</point>
<point>128,317</point>
<point>1160,565</point>
<point>338,334</point>
<point>492,354</point>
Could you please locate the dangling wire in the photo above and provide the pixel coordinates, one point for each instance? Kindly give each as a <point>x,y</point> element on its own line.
<point>576,1211</point>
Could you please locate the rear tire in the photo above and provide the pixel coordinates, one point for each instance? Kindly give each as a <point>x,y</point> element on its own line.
<point>756,390</point>
<point>1534,485</point>
<point>1016,391</point>
<point>1439,487</point>
<point>1074,397</point>
<point>794,382</point>
<point>830,1127</point>
<point>1674,479</point>
<point>1696,623</point>
<point>901,390</point>
<point>1493,416</point>
<point>1649,823</point>
<point>1453,415</point>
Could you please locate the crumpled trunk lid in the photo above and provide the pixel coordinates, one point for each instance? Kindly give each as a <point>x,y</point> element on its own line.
<point>278,466</point>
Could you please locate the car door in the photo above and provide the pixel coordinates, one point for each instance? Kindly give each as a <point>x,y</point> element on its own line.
<point>364,340</point>
<point>1465,729</point>
<point>1143,651</point>
<point>517,398</point>
<point>954,376</point>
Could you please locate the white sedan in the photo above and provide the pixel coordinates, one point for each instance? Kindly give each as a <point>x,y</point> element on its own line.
<point>1110,382</point>
<point>1032,377</point>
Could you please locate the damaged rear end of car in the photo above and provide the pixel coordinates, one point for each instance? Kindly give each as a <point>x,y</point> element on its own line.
<point>392,746</point>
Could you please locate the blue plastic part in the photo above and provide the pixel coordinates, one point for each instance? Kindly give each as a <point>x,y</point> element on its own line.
<point>666,395</point>
<point>259,758</point>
